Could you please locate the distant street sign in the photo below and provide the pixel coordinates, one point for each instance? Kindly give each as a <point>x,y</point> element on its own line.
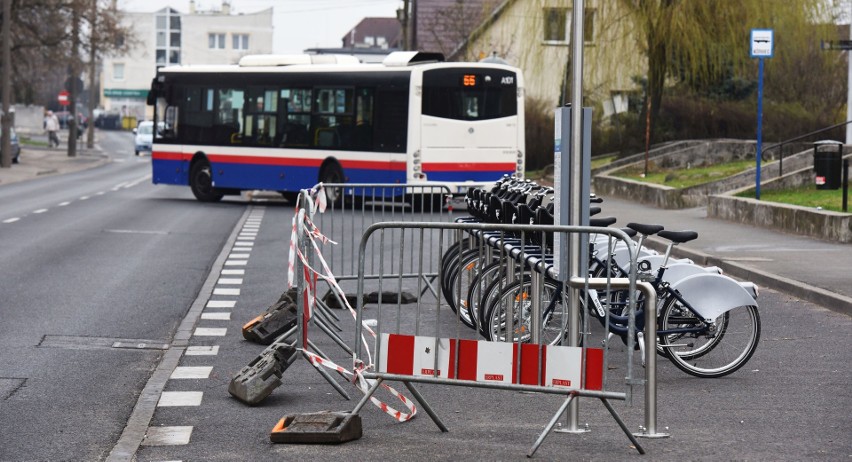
<point>835,44</point>
<point>762,43</point>
<point>63,98</point>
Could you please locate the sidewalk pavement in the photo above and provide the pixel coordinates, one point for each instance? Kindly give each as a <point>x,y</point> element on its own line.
<point>37,162</point>
<point>804,267</point>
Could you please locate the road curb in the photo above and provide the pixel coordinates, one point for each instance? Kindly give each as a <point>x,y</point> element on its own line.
<point>832,301</point>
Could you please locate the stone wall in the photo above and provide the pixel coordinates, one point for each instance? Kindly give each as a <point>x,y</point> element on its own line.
<point>821,224</point>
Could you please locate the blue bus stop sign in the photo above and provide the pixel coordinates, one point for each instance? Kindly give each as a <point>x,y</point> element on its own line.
<point>761,46</point>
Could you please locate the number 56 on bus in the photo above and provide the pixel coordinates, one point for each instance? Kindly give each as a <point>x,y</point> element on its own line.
<point>285,123</point>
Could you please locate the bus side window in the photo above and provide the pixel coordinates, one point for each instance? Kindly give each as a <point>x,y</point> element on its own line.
<point>229,116</point>
<point>391,133</point>
<point>170,127</point>
<point>362,134</point>
<point>295,111</point>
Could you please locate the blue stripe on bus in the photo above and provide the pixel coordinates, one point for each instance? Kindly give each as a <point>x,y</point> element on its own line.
<point>267,177</point>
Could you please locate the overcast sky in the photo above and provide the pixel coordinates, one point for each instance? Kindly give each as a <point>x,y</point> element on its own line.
<point>299,24</point>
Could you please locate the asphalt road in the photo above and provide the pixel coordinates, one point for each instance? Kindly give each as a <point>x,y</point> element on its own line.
<point>87,260</point>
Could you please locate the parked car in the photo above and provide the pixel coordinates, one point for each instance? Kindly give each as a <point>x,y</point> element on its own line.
<point>144,137</point>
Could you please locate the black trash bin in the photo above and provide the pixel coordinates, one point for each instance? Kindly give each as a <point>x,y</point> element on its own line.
<point>827,164</point>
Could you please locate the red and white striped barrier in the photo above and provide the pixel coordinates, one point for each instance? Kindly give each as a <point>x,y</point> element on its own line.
<point>494,362</point>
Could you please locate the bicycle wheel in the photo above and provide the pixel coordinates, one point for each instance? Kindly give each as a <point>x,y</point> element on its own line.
<point>468,268</point>
<point>510,311</point>
<point>708,351</point>
<point>494,279</point>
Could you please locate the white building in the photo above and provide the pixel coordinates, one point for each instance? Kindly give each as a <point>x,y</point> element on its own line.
<point>168,37</point>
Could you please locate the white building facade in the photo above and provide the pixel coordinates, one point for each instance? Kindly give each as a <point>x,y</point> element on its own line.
<point>168,37</point>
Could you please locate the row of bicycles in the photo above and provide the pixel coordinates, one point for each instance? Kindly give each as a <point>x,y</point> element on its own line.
<point>708,324</point>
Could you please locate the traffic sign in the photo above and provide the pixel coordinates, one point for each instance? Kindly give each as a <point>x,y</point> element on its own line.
<point>63,98</point>
<point>761,43</point>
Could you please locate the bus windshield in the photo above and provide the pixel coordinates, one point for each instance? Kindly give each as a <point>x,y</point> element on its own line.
<point>466,94</point>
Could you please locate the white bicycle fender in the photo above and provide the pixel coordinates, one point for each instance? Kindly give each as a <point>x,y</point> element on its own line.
<point>712,295</point>
<point>678,271</point>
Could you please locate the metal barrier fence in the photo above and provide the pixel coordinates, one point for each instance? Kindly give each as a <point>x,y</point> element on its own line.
<point>353,207</point>
<point>539,328</point>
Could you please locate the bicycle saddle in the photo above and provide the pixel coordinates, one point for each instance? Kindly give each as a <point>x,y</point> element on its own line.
<point>647,230</point>
<point>678,237</point>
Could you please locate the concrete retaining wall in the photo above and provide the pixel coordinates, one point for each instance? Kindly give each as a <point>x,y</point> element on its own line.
<point>29,119</point>
<point>821,224</point>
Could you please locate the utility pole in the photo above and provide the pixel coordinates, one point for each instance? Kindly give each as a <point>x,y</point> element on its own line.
<point>849,83</point>
<point>412,26</point>
<point>93,87</point>
<point>6,153</point>
<point>403,16</point>
<point>74,78</point>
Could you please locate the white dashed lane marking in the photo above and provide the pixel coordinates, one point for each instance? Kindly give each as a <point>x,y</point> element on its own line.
<point>233,272</point>
<point>191,372</point>
<point>236,263</point>
<point>217,316</point>
<point>202,350</point>
<point>167,436</point>
<point>226,291</point>
<point>210,332</point>
<point>230,281</point>
<point>11,220</point>
<point>221,303</point>
<point>180,398</point>
<point>62,204</point>
<point>39,211</point>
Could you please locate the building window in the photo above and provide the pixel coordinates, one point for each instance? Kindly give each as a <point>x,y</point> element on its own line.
<point>557,25</point>
<point>168,37</point>
<point>240,41</point>
<point>216,41</point>
<point>118,71</point>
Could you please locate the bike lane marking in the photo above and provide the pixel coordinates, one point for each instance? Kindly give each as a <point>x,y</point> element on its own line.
<point>138,432</point>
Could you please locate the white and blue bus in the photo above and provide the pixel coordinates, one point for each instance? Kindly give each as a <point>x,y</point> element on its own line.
<point>285,123</point>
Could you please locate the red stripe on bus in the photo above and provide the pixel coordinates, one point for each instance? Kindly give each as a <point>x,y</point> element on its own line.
<point>373,165</point>
<point>284,161</point>
<point>258,160</point>
<point>160,155</point>
<point>467,166</point>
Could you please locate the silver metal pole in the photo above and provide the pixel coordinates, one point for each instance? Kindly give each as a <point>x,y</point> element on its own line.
<point>576,186</point>
<point>849,83</point>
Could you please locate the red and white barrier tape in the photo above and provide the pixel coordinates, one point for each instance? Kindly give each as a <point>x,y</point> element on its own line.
<point>310,277</point>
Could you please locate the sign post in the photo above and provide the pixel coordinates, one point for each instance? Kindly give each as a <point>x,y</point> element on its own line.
<point>761,47</point>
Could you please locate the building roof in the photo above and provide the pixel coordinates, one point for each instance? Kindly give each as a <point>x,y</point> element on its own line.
<point>374,33</point>
<point>443,25</point>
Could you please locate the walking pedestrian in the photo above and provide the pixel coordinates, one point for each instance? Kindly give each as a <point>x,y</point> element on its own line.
<point>51,124</point>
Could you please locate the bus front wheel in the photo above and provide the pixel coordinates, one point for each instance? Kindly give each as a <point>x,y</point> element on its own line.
<point>201,182</point>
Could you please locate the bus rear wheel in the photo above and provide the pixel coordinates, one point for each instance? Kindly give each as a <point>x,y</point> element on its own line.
<point>332,173</point>
<point>201,182</point>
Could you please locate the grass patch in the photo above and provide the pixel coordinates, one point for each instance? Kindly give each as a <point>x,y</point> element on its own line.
<point>600,161</point>
<point>805,196</point>
<point>684,178</point>
<point>25,141</point>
